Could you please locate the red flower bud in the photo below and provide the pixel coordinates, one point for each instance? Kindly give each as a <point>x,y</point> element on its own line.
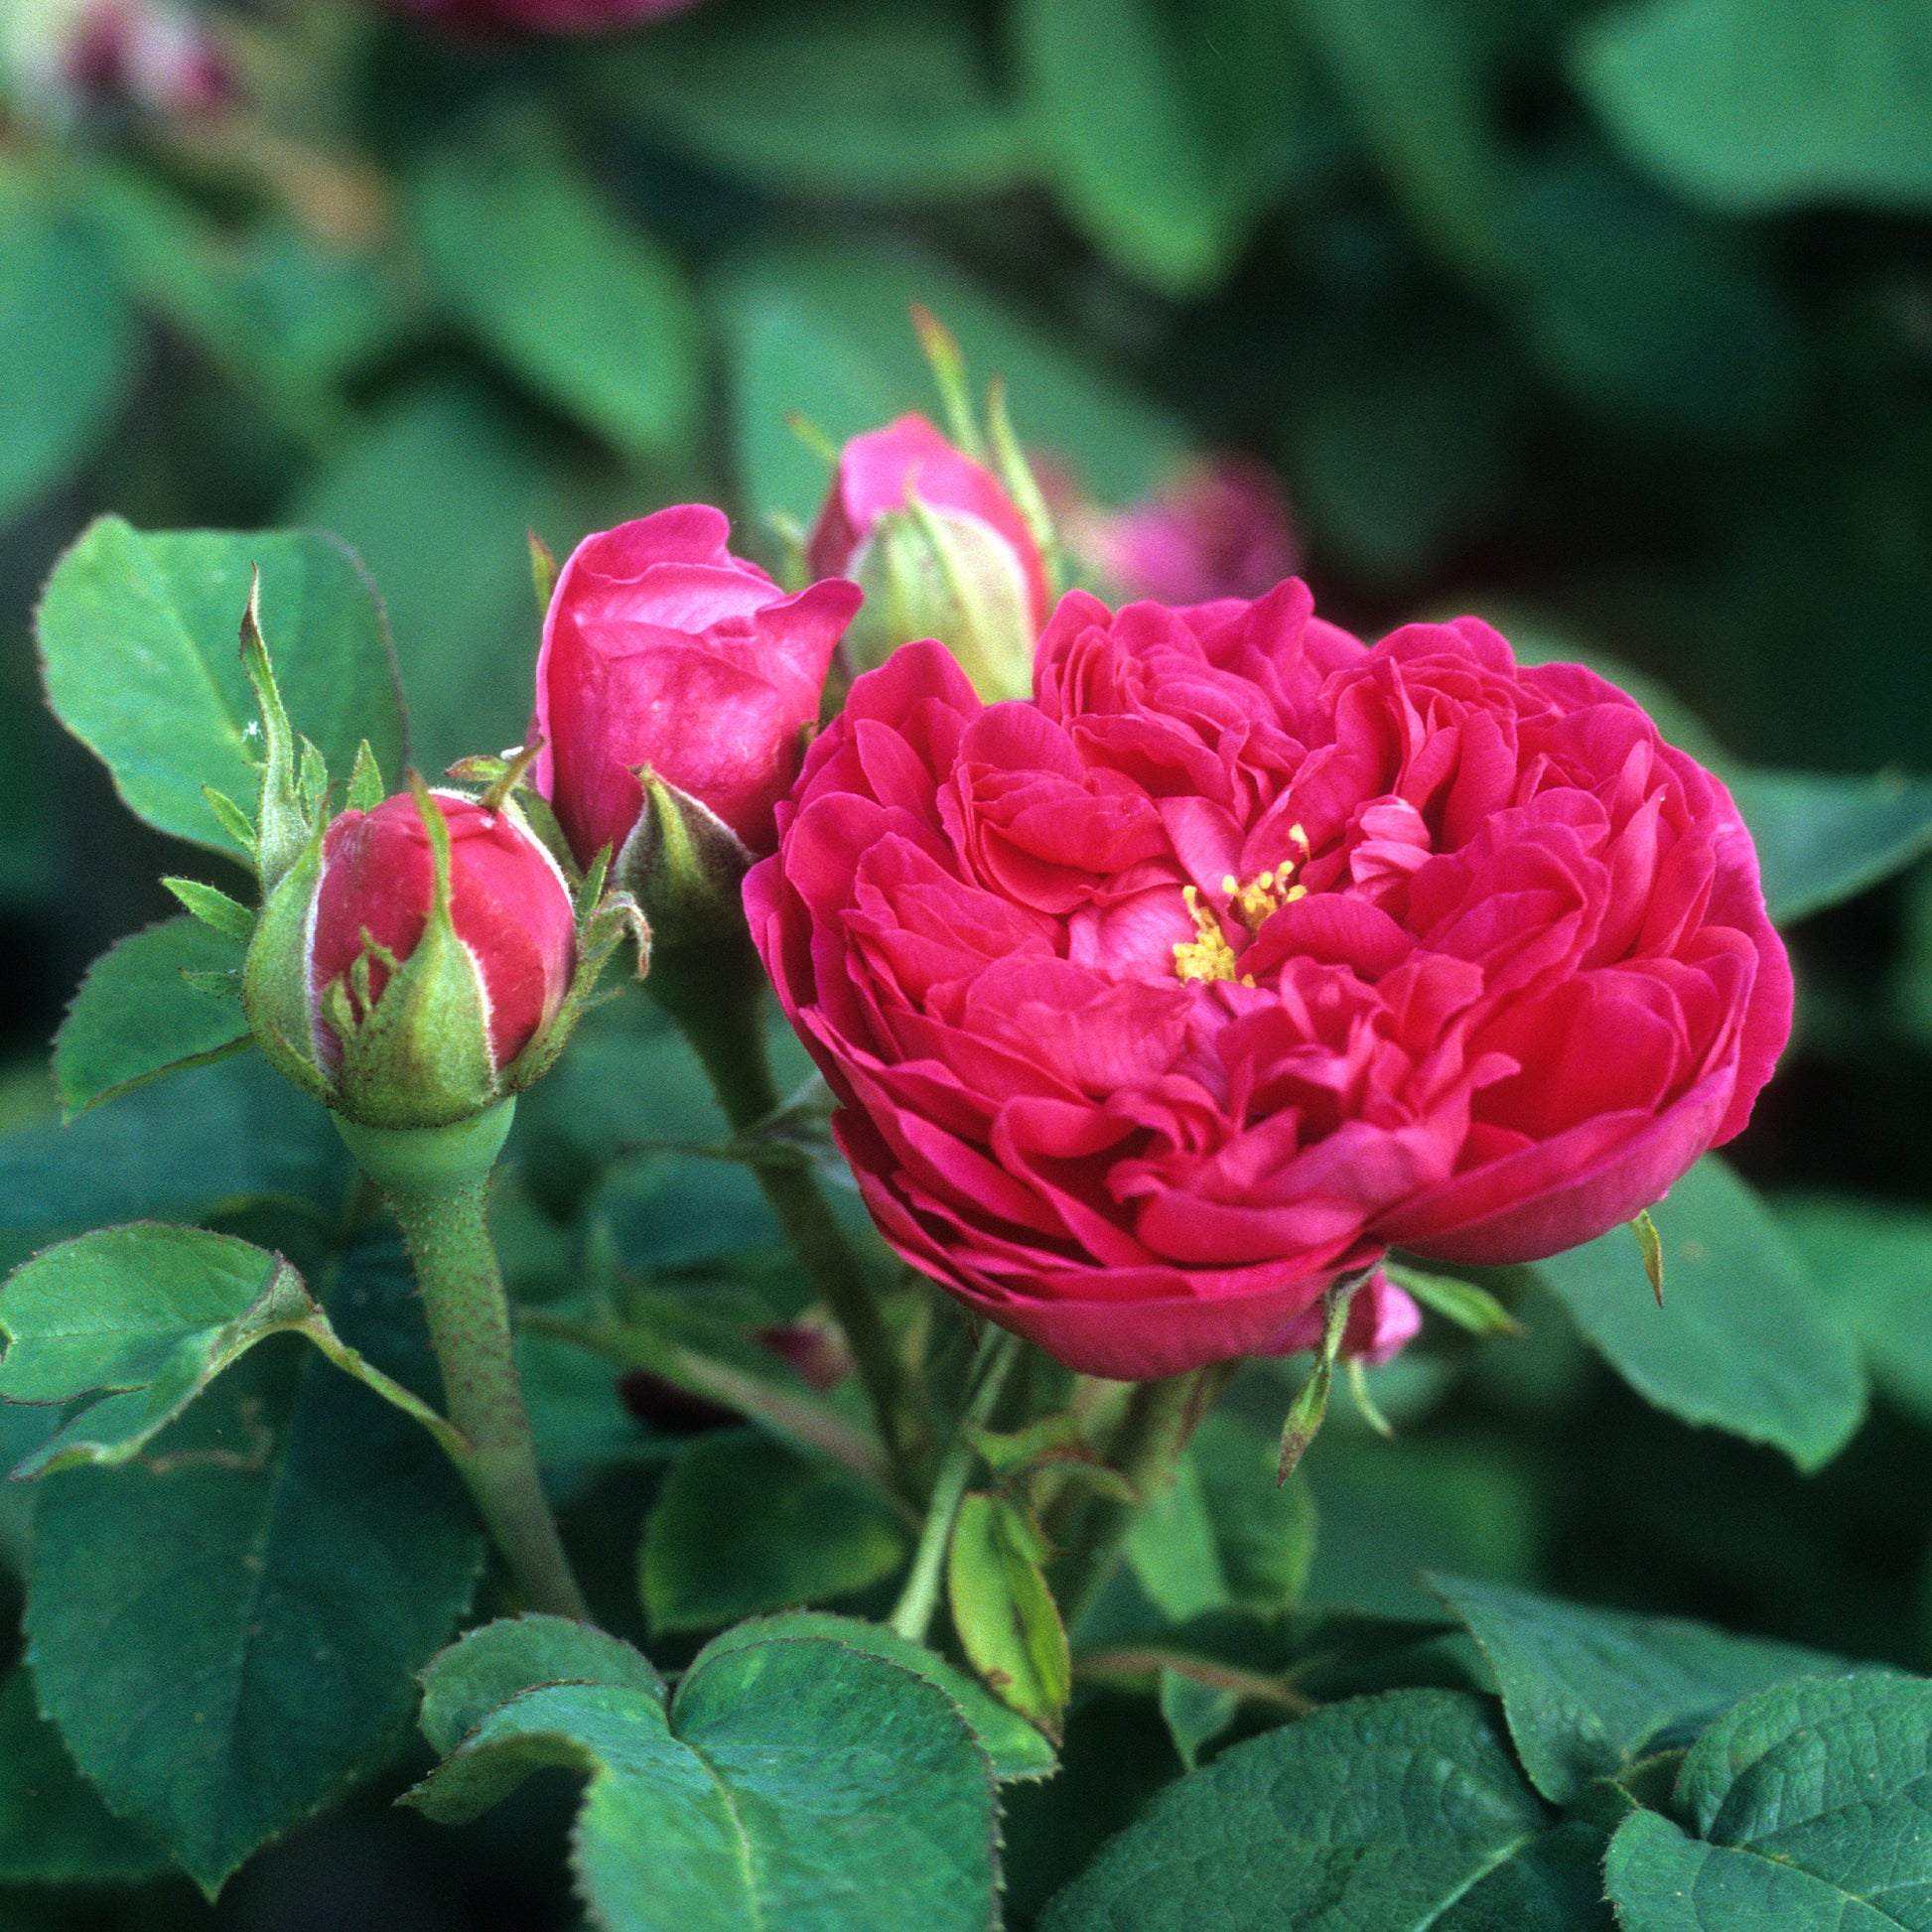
<point>662,649</point>
<point>508,902</point>
<point>941,550</point>
<point>414,983</point>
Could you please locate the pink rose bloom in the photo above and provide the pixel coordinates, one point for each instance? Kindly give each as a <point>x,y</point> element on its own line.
<point>508,904</point>
<point>1218,529</point>
<point>663,650</point>
<point>1244,952</point>
<point>543,16</point>
<point>877,472</point>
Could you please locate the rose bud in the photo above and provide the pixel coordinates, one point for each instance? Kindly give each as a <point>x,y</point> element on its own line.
<point>414,967</point>
<point>941,550</point>
<point>1220,529</point>
<point>668,662</point>
<point>1161,1003</point>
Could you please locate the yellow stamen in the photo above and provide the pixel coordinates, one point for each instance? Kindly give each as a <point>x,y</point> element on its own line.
<point>1208,955</point>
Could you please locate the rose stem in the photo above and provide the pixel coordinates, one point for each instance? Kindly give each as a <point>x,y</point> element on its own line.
<point>912,1616</point>
<point>436,1181</point>
<point>1159,1423</point>
<point>715,1002</point>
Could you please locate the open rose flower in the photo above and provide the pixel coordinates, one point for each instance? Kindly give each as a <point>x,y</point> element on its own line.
<point>1244,952</point>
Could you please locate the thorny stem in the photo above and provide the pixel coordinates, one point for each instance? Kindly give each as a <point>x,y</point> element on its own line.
<point>912,1616</point>
<point>436,1181</point>
<point>715,1001</point>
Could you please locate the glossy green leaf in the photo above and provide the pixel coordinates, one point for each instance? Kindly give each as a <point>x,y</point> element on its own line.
<point>135,1017</point>
<point>54,1828</point>
<point>1161,152</point>
<point>1008,1623</point>
<point>1017,1749</point>
<point>826,332</point>
<point>138,637</point>
<point>1744,1341</point>
<point>1872,1260</point>
<point>743,1525</point>
<point>226,1631</point>
<point>859,97</point>
<point>793,1783</point>
<point>1587,1692</point>
<point>1380,1812</point>
<point>584,306</point>
<point>1821,839</point>
<point>1750,105</point>
<point>1809,1805</point>
<point>67,342</point>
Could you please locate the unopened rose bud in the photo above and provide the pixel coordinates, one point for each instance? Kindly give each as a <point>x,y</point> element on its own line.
<point>410,969</point>
<point>672,669</point>
<point>941,550</point>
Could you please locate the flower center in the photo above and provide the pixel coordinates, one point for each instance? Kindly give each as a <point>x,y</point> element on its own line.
<point>1208,955</point>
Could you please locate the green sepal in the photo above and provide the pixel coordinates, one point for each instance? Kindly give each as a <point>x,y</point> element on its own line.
<point>947,362</point>
<point>214,909</point>
<point>928,572</point>
<point>282,824</point>
<point>543,572</point>
<point>312,778</point>
<point>232,818</point>
<point>683,866</point>
<point>275,974</point>
<point>1471,1307</point>
<point>366,791</point>
<point>1650,1244</point>
<point>418,1055</point>
<point>1311,1402</point>
<point>1016,473</point>
<point>600,931</point>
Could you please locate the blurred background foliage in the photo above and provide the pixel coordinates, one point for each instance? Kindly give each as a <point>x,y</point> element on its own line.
<point>1614,320</point>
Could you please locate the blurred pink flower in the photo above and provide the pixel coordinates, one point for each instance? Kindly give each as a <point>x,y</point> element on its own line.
<point>1218,528</point>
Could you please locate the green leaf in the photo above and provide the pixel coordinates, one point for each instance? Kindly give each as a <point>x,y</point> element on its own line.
<point>1744,1341</point>
<point>1017,1749</point>
<point>1555,1883</point>
<point>576,300</point>
<point>792,1783</point>
<point>1008,1623</point>
<point>1646,313</point>
<point>1823,839</point>
<point>226,1631</point>
<point>824,331</point>
<point>1874,1262</point>
<point>489,1666</point>
<point>857,97</point>
<point>139,640</point>
<point>435,490</point>
<point>67,342</point>
<point>54,1828</point>
<point>1753,106</point>
<point>1589,1692</point>
<point>135,1017</point>
<point>216,1137</point>
<point>1811,1804</point>
<point>1224,1531</point>
<point>742,1525</point>
<point>1194,1713</point>
<point>289,315</point>
<point>1414,72</point>
<point>1164,154</point>
<point>1376,1813</point>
